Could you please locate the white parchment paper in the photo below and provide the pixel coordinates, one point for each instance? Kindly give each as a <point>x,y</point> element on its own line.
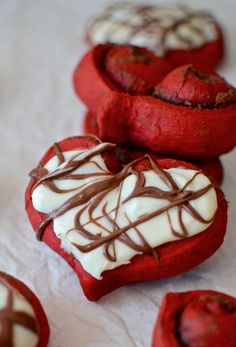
<point>40,44</point>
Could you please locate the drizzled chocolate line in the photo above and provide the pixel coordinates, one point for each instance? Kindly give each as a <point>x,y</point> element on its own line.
<point>177,198</point>
<point>59,154</point>
<point>151,24</point>
<point>46,178</point>
<point>95,194</point>
<point>43,176</point>
<point>40,171</point>
<point>9,317</point>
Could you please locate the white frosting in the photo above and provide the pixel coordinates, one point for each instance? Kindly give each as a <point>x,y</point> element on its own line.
<point>22,337</point>
<point>134,24</point>
<point>156,231</point>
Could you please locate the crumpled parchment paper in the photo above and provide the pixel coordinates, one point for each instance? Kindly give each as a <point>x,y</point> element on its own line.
<point>40,44</point>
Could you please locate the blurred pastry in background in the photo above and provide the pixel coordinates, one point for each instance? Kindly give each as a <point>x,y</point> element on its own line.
<point>178,33</point>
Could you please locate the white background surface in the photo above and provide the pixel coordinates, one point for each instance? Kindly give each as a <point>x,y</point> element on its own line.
<point>40,44</point>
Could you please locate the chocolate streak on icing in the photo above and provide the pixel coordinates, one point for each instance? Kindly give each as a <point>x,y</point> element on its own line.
<point>59,154</point>
<point>94,194</point>
<point>176,197</point>
<point>43,176</point>
<point>65,173</point>
<point>9,317</point>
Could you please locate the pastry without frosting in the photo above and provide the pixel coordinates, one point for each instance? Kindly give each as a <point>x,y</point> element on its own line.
<point>178,33</point>
<point>120,224</point>
<point>190,113</point>
<point>196,318</point>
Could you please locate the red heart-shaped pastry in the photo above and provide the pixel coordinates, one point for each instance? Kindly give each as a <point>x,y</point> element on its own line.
<point>21,308</point>
<point>190,114</point>
<point>173,257</point>
<point>196,318</point>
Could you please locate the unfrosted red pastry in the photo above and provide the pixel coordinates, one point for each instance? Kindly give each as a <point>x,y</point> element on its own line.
<point>212,167</point>
<point>191,113</point>
<point>22,318</point>
<point>196,319</point>
<point>178,33</point>
<point>102,218</point>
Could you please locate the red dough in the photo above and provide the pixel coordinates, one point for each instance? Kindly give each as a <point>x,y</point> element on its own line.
<point>212,167</point>
<point>190,114</point>
<point>174,257</point>
<point>196,318</point>
<point>21,288</point>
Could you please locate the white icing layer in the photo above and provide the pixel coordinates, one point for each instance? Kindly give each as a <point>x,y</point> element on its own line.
<point>156,231</point>
<point>158,28</point>
<point>22,337</point>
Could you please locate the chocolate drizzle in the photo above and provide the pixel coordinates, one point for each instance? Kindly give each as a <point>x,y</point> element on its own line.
<point>65,173</point>
<point>9,317</point>
<point>95,194</point>
<point>59,154</point>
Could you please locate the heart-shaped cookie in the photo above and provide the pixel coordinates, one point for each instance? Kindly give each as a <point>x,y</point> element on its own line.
<point>115,224</point>
<point>196,318</point>
<point>22,318</point>
<point>189,114</point>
